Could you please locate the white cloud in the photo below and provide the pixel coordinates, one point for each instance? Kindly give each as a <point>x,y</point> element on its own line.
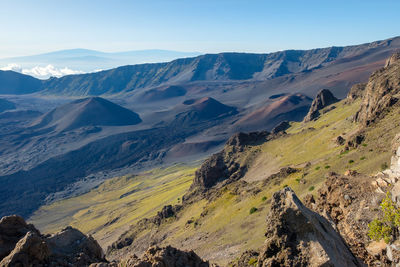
<point>42,72</point>
<point>13,67</point>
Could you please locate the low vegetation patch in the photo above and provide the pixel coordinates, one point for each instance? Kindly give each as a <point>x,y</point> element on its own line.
<point>253,209</point>
<point>384,166</point>
<point>387,227</point>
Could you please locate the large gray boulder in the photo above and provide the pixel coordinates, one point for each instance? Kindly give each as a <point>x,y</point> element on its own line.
<point>297,236</point>
<point>31,250</point>
<point>21,244</point>
<point>12,229</point>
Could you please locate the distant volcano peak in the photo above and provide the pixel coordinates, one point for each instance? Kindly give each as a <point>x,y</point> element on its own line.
<point>92,111</point>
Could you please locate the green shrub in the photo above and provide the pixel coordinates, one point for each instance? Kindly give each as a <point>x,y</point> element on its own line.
<point>362,158</point>
<point>311,188</point>
<point>317,168</point>
<point>253,261</point>
<point>364,145</point>
<point>253,209</point>
<point>327,167</point>
<point>385,227</point>
<point>264,198</point>
<point>384,166</point>
<point>351,161</point>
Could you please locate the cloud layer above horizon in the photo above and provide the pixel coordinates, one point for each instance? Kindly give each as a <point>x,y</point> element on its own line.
<point>41,72</point>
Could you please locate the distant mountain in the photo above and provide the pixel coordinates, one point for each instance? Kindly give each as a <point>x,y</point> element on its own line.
<point>305,71</point>
<point>327,67</point>
<point>84,60</point>
<point>93,111</point>
<point>14,83</point>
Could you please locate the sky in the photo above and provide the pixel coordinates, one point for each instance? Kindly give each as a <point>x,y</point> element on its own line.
<point>206,26</point>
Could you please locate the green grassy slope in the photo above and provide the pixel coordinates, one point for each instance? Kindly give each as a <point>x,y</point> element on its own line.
<point>221,228</point>
<point>106,211</point>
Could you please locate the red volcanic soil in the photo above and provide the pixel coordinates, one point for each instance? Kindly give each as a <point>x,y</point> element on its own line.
<point>294,106</point>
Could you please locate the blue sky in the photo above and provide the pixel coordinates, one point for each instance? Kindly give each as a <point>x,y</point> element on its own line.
<point>30,27</point>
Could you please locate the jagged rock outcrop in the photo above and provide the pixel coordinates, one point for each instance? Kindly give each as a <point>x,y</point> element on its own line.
<point>165,213</point>
<point>167,257</point>
<point>323,99</point>
<point>239,140</point>
<point>297,236</point>
<point>21,244</point>
<point>248,258</point>
<point>72,246</point>
<point>31,250</point>
<point>352,202</point>
<point>392,60</point>
<point>281,127</point>
<point>380,91</point>
<point>223,166</point>
<point>12,229</point>
<point>163,257</point>
<point>356,92</point>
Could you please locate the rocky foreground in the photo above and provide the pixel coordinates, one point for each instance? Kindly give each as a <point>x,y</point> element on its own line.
<point>296,236</point>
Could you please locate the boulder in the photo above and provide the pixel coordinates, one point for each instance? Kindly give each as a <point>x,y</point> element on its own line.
<point>12,229</point>
<point>167,257</point>
<point>393,173</point>
<point>166,212</point>
<point>297,236</point>
<point>393,253</point>
<point>21,244</point>
<point>323,99</point>
<point>340,140</point>
<point>31,250</point>
<point>72,246</point>
<point>212,171</point>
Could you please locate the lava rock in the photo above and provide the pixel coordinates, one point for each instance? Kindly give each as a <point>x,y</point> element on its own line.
<point>297,236</point>
<point>323,99</point>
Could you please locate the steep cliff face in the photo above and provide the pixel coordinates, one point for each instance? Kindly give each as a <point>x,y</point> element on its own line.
<point>381,91</point>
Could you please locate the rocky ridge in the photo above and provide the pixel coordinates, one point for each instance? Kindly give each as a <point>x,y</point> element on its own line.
<point>381,91</point>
